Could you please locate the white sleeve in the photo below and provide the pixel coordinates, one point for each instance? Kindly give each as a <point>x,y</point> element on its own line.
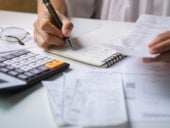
<point>80,8</point>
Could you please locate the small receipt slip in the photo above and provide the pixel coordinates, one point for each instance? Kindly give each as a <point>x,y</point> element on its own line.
<point>90,100</point>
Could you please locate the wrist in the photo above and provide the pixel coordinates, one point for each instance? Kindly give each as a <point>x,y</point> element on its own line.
<point>60,6</point>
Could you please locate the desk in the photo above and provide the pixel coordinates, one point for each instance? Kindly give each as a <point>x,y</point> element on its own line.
<point>30,108</point>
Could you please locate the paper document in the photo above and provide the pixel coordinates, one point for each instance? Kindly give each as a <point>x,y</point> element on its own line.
<point>88,100</point>
<point>147,90</point>
<point>80,99</point>
<point>137,66</point>
<point>146,30</point>
<point>148,97</point>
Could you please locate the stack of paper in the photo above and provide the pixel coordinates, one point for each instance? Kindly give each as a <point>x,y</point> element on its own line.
<point>96,97</point>
<point>88,99</point>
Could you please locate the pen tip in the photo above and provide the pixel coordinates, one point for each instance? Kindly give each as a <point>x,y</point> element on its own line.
<point>69,42</point>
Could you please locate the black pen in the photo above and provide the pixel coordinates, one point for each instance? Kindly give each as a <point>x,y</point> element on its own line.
<point>56,19</point>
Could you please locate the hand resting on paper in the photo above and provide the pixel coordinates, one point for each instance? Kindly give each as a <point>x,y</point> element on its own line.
<point>161,45</point>
<point>46,34</point>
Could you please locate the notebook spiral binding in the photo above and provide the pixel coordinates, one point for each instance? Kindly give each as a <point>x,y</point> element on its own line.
<point>113,59</point>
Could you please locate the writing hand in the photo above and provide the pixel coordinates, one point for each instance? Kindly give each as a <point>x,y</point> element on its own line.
<point>46,34</point>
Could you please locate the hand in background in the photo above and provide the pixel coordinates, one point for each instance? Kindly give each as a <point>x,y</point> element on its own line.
<point>161,45</point>
<point>46,34</point>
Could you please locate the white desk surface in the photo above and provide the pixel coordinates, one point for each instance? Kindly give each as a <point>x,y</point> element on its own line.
<point>30,108</point>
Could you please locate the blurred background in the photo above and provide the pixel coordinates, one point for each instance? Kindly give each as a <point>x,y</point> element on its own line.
<point>19,5</point>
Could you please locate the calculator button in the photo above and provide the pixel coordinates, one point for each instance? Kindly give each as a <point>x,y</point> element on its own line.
<point>25,62</point>
<point>9,57</point>
<point>47,59</point>
<point>54,64</point>
<point>2,65</point>
<point>2,59</point>
<point>25,56</point>
<point>26,68</point>
<point>38,63</point>
<point>35,71</point>
<point>32,65</point>
<point>10,67</point>
<point>21,52</point>
<point>30,54</point>
<point>13,73</point>
<point>19,70</point>
<point>8,62</point>
<point>17,59</point>
<point>23,77</point>
<point>29,74</point>
<point>17,65</point>
<point>43,68</point>
<point>5,70</point>
<point>39,56</point>
<point>42,62</point>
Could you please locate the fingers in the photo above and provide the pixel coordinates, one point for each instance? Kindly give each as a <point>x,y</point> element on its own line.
<point>40,41</point>
<point>50,29</point>
<point>164,57</point>
<point>160,38</point>
<point>147,60</point>
<point>47,34</point>
<point>160,47</point>
<point>46,39</point>
<point>44,24</point>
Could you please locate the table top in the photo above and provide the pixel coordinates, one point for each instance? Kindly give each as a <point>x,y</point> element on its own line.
<point>30,108</point>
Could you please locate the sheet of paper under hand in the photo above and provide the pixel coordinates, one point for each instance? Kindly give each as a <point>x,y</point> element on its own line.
<point>147,28</point>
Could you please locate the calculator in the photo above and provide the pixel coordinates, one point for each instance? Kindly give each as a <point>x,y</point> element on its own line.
<point>22,68</point>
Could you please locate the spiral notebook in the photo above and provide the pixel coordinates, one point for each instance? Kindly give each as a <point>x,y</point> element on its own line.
<point>90,49</point>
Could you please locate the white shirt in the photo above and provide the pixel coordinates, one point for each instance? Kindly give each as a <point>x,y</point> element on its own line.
<point>117,10</point>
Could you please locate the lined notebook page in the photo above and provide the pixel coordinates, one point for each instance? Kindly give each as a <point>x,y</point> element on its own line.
<point>90,47</point>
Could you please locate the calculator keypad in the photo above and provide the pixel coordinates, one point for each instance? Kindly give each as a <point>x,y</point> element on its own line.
<point>29,66</point>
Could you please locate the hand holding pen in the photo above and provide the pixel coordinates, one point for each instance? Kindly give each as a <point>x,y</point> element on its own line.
<point>47,33</point>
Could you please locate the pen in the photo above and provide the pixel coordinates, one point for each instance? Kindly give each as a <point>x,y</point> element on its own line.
<point>56,19</point>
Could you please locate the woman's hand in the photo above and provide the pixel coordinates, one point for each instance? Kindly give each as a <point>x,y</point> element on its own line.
<point>161,45</point>
<point>46,34</point>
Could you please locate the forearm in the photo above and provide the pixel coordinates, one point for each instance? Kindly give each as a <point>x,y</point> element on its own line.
<point>59,5</point>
